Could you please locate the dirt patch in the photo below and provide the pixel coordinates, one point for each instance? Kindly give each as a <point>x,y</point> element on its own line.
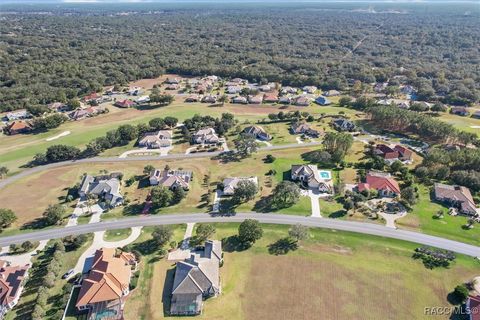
<point>303,288</point>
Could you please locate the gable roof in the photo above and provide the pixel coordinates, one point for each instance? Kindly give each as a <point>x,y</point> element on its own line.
<point>229,184</point>
<point>474,307</point>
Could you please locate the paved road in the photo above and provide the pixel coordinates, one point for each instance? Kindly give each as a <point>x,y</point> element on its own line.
<point>33,170</point>
<point>360,227</point>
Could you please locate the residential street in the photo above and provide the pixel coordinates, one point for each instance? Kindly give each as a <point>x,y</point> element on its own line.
<point>360,227</point>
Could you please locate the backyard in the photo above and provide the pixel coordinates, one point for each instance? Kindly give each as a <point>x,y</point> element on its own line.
<point>357,269</point>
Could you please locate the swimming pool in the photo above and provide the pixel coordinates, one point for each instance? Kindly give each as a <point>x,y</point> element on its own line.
<point>324,174</point>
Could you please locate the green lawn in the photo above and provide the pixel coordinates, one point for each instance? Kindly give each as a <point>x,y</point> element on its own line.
<point>348,266</point>
<point>117,234</point>
<point>422,217</point>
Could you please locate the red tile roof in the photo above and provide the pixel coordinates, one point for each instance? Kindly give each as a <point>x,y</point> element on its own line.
<point>10,282</point>
<point>379,181</point>
<point>474,307</point>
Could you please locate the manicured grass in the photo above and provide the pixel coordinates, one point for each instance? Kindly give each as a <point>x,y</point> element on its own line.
<point>461,123</point>
<point>117,234</point>
<point>347,266</point>
<point>422,218</point>
<point>302,208</point>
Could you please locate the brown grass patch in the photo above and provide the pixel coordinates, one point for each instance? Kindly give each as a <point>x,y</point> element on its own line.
<point>302,288</point>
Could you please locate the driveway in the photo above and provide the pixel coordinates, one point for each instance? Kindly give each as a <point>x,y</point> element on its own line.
<point>22,259</point>
<point>389,217</point>
<point>163,151</point>
<point>314,197</point>
<point>183,252</point>
<point>84,263</point>
<point>216,200</point>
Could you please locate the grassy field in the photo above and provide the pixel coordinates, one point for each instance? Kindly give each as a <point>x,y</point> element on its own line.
<point>462,123</point>
<point>364,275</point>
<point>422,218</point>
<point>48,187</point>
<point>16,151</point>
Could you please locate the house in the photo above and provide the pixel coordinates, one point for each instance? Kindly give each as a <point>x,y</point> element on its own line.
<point>403,104</point>
<point>135,91</point>
<point>323,101</point>
<point>17,127</point>
<point>302,101</point>
<point>80,114</point>
<point>476,114</point>
<point>456,196</point>
<point>237,81</point>
<point>288,90</point>
<point>12,280</point>
<point>380,86</point>
<point>312,178</point>
<point>205,136</point>
<point>172,80</point>
<point>387,153</point>
<point>309,89</point>
<point>203,88</point>
<point>156,139</point>
<point>255,99</point>
<point>107,286</point>
<point>240,100</point>
<point>460,111</point>
<point>331,93</point>
<point>303,128</point>
<point>171,179</point>
<point>229,184</point>
<point>257,132</point>
<point>58,107</point>
<point>197,278</point>
<point>473,307</point>
<point>93,98</point>
<point>143,99</point>
<point>192,98</point>
<point>382,182</point>
<point>407,89</point>
<point>234,89</point>
<point>124,103</point>
<point>270,98</point>
<point>404,154</point>
<point>343,125</point>
<point>209,99</point>
<point>265,88</point>
<point>105,187</point>
<point>285,100</point>
<point>17,115</point>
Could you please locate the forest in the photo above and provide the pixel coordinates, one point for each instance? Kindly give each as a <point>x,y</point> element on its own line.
<point>64,52</point>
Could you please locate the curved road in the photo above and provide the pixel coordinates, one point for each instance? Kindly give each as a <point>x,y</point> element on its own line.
<point>33,170</point>
<point>360,227</point>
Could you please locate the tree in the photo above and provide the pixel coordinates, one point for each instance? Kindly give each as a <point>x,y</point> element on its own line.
<point>223,98</point>
<point>345,101</point>
<point>3,172</point>
<point>148,169</point>
<point>38,312</point>
<point>204,231</point>
<point>157,123</point>
<point>461,293</point>
<point>410,195</point>
<point>161,196</point>
<point>61,152</point>
<point>298,232</point>
<point>162,235</point>
<point>7,217</point>
<point>178,195</point>
<point>396,166</point>
<point>270,159</point>
<point>54,214</point>
<point>348,204</point>
<point>337,144</point>
<point>244,191</point>
<point>170,121</point>
<point>285,194</point>
<point>27,246</point>
<point>249,231</point>
<point>245,144</point>
<point>127,133</point>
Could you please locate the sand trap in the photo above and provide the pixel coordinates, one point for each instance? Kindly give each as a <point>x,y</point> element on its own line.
<point>63,134</point>
<point>475,127</point>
